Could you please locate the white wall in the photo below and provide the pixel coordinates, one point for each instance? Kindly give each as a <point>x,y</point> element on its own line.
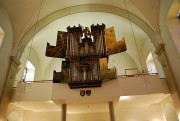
<point>171,51</point>
<point>55,64</point>
<point>5,51</point>
<point>174,28</point>
<point>32,56</point>
<point>23,60</point>
<point>121,62</point>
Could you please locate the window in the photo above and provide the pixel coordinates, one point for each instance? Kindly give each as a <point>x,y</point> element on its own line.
<point>30,72</point>
<point>150,64</point>
<point>2,33</point>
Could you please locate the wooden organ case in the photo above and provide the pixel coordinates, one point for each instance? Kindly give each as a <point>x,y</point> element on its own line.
<point>83,50</point>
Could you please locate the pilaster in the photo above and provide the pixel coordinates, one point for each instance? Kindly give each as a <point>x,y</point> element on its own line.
<point>111,111</point>
<point>8,86</point>
<point>63,112</point>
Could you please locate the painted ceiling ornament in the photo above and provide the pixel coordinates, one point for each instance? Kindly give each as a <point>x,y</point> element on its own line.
<point>86,53</point>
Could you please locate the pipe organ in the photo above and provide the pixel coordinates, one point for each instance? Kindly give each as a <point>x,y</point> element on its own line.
<point>85,54</point>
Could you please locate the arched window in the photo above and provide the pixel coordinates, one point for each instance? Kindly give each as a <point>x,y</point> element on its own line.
<point>29,72</point>
<point>2,33</point>
<point>150,64</point>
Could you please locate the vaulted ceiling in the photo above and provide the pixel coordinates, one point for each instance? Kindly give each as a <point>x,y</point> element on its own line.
<point>50,16</point>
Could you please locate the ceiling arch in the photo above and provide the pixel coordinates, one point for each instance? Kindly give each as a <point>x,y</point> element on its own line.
<point>79,9</point>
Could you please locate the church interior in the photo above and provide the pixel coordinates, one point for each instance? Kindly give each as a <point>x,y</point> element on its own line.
<point>93,60</point>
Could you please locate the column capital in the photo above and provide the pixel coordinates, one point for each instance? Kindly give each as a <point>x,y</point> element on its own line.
<point>14,60</point>
<point>159,49</point>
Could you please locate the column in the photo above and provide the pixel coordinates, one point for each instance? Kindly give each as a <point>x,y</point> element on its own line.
<point>111,111</point>
<point>63,112</point>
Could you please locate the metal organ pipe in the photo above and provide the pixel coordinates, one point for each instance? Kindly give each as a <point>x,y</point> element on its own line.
<point>99,44</point>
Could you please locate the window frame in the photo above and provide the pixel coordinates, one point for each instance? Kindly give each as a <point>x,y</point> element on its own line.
<point>27,72</point>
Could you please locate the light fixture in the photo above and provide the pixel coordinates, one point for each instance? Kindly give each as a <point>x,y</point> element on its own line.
<point>155,120</point>
<point>50,101</point>
<point>124,98</point>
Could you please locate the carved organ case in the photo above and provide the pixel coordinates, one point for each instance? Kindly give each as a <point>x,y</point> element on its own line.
<point>84,49</point>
